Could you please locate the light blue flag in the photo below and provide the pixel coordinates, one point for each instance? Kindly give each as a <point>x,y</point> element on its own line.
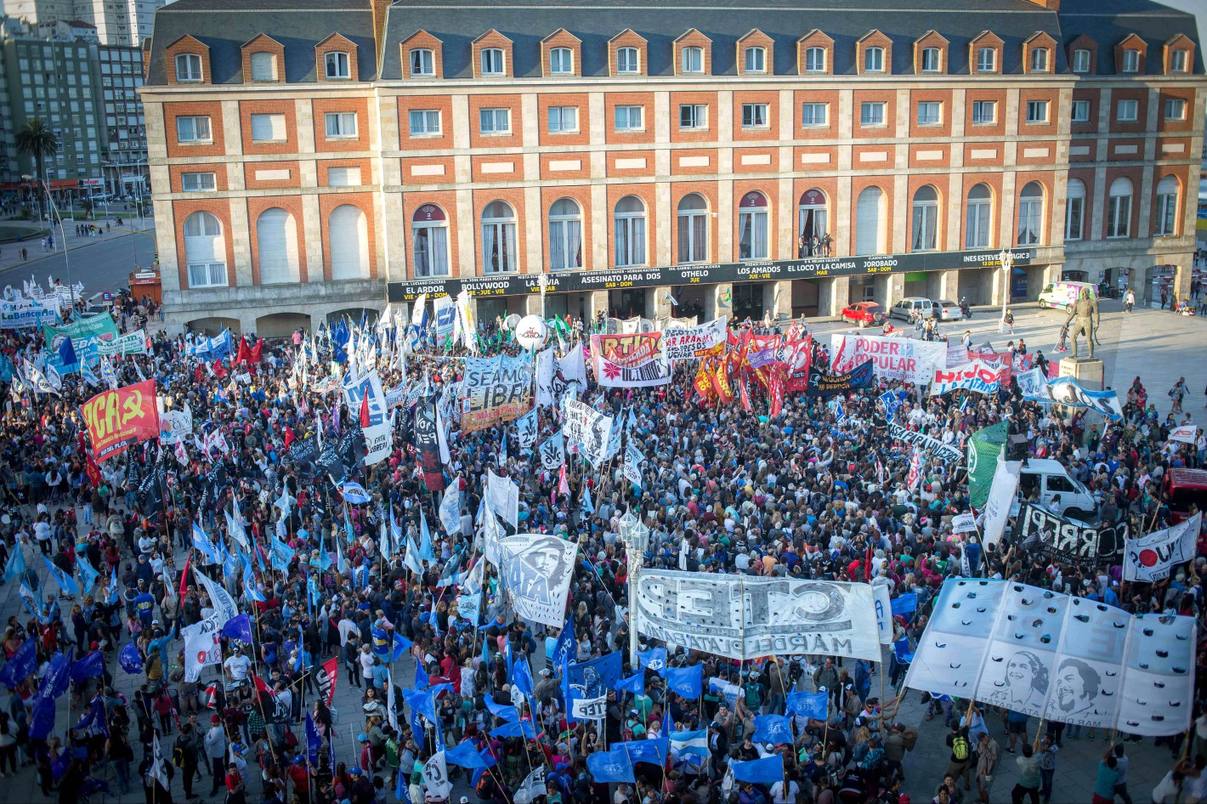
<point>426,551</point>
<point>15,567</point>
<point>202,542</point>
<point>654,659</point>
<point>768,770</point>
<point>341,566</point>
<point>634,684</point>
<point>348,531</point>
<point>281,555</point>
<point>384,539</point>
<point>410,559</point>
<point>515,728</point>
<point>651,751</point>
<point>111,590</point>
<point>690,743</point>
<point>611,766</point>
<point>395,531</point>
<point>774,729</point>
<point>466,755</point>
<point>588,506</point>
<point>88,573</point>
<point>685,681</point>
<point>65,581</point>
<point>813,705</point>
<point>502,711</point>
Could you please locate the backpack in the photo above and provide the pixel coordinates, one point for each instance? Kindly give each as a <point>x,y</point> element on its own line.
<point>959,747</point>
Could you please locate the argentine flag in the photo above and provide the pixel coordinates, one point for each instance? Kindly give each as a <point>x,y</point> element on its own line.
<point>690,745</point>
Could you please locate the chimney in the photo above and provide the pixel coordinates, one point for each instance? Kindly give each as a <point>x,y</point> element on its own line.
<point>1051,5</point>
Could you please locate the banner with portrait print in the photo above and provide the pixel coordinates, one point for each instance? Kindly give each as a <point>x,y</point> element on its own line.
<point>536,571</point>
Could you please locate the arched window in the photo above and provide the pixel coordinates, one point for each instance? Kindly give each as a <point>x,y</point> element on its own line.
<point>630,231</point>
<point>693,228</point>
<point>429,236</point>
<point>812,234</point>
<point>1167,206</point>
<point>565,235</point>
<point>1119,208</point>
<point>976,223</point>
<point>204,251</point>
<point>925,225</point>
<point>1030,214</point>
<point>752,227</point>
<point>498,239</point>
<point>348,232</point>
<point>1074,210</point>
<point>277,247</point>
<point>869,239</point>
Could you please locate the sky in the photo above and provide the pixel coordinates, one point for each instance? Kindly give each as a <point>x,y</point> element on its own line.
<point>1196,7</point>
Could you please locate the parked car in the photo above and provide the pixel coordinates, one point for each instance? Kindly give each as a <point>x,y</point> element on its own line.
<point>912,304</point>
<point>1062,295</point>
<point>948,310</point>
<point>1056,490</point>
<point>865,314</point>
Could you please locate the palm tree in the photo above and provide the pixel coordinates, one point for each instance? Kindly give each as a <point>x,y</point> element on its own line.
<point>38,141</point>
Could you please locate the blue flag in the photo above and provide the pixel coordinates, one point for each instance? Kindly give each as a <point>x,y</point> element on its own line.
<point>690,743</point>
<point>94,721</point>
<point>521,675</point>
<point>65,581</point>
<point>685,681</point>
<point>238,628</point>
<point>585,685</point>
<point>466,755</point>
<point>501,710</point>
<point>515,728</point>
<point>24,662</point>
<point>566,647</point>
<point>42,722</point>
<point>774,729</point>
<point>15,567</point>
<point>421,682</point>
<point>611,766</point>
<point>129,658</point>
<point>67,353</point>
<point>902,651</point>
<point>426,551</point>
<point>281,555</point>
<point>54,682</point>
<point>654,659</point>
<point>768,770</point>
<point>313,740</point>
<point>91,666</point>
<point>634,684</point>
<point>88,573</point>
<point>904,605</point>
<point>651,751</point>
<point>207,547</point>
<point>813,705</point>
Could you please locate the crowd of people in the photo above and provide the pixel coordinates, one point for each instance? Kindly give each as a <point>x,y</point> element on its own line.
<point>804,494</point>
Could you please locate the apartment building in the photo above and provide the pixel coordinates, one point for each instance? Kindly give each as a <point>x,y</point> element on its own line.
<point>121,74</point>
<point>308,160</point>
<point>117,22</point>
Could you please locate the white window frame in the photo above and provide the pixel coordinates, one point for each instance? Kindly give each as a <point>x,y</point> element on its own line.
<point>625,114</point>
<point>924,222</point>
<point>978,231</point>
<point>815,59</point>
<point>337,65</point>
<point>561,54</point>
<point>1175,109</point>
<point>341,124</point>
<point>423,238</point>
<point>814,107</point>
<point>979,119</point>
<point>928,119</point>
<point>872,114</point>
<point>423,62</point>
<point>691,60</point>
<point>632,225</point>
<point>986,60</point>
<point>754,60</point>
<point>190,122</point>
<point>1031,211</point>
<point>1179,61</point>
<point>696,115</point>
<point>214,272</point>
<point>873,59</point>
<point>1130,104</point>
<point>1081,60</point>
<point>1039,60</point>
<point>758,220</point>
<point>424,117</point>
<point>504,229</point>
<point>493,115</point>
<point>188,75</point>
<point>1080,104</point>
<point>492,62</point>
<point>198,182</point>
<point>1166,224</point>
<point>690,221</point>
<point>1037,112</point>
<point>562,119</point>
<point>1119,214</point>
<point>1131,61</point>
<point>1075,213</point>
<point>935,55</point>
<point>564,228</point>
<point>756,115</point>
<point>628,60</point>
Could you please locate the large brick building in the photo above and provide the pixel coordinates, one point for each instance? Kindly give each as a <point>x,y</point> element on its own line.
<point>666,158</point>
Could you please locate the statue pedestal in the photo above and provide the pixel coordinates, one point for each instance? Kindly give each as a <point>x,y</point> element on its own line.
<point>1088,371</point>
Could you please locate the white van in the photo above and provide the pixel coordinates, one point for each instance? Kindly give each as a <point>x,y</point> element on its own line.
<point>1061,295</point>
<point>1057,490</point>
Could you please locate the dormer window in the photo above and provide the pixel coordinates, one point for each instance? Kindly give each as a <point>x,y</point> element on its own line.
<point>628,61</point>
<point>932,60</point>
<point>1131,60</point>
<point>1178,62</point>
<point>263,66</point>
<point>756,60</point>
<point>492,61</point>
<point>692,60</point>
<point>873,60</point>
<point>986,60</point>
<point>1039,60</point>
<point>338,65</point>
<point>561,61</point>
<point>1081,60</point>
<point>188,68</point>
<point>423,62</point>
<point>815,60</point>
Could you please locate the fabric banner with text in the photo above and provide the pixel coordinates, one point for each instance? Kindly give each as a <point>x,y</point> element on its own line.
<point>116,420</point>
<point>892,358</point>
<point>629,361</point>
<point>979,376</point>
<point>586,428</point>
<point>495,389</point>
<point>685,343</point>
<point>1151,557</point>
<point>948,452</point>
<point>1036,529</point>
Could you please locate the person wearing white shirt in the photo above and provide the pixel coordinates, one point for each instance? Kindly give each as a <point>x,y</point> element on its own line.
<point>782,793</point>
<point>237,666</point>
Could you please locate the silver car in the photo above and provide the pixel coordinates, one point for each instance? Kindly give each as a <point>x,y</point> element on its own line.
<point>947,310</point>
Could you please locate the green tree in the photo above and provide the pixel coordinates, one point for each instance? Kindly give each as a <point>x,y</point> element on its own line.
<point>37,140</point>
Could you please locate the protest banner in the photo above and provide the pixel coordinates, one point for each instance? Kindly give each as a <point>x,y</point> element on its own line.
<point>99,326</point>
<point>174,425</point>
<point>494,390</point>
<point>893,358</point>
<point>1036,529</point>
<point>1150,558</point>
<point>379,441</point>
<point>629,361</point>
<point>536,570</point>
<point>685,343</point>
<point>1054,656</point>
<point>743,617</point>
<point>948,452</point>
<point>116,420</point>
<point>979,377</point>
<point>27,313</point>
<point>427,444</point>
<point>828,384</point>
<point>1006,476</point>
<point>357,388</point>
<point>587,429</point>
<point>1067,391</point>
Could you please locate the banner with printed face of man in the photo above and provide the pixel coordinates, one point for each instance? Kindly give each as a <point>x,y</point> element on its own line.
<point>536,570</point>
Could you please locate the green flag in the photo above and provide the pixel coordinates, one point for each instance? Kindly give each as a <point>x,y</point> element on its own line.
<point>984,447</point>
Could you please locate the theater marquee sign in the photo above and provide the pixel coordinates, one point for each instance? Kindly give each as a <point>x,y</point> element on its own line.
<point>705,274</point>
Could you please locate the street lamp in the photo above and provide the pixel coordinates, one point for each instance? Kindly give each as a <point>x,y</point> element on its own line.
<point>636,536</point>
<point>1006,258</point>
<point>542,282</point>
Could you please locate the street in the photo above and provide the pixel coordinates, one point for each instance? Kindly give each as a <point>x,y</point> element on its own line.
<point>101,263</point>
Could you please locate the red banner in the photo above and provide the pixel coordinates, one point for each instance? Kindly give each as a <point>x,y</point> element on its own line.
<point>117,420</point>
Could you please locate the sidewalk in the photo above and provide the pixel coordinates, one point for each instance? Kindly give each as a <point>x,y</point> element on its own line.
<point>10,253</point>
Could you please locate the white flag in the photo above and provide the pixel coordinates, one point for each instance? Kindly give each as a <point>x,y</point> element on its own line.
<point>1001,497</point>
<point>1151,557</point>
<point>533,787</point>
<point>225,608</point>
<point>159,769</point>
<point>435,778</point>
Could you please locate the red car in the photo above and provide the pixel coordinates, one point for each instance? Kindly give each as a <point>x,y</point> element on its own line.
<point>865,314</point>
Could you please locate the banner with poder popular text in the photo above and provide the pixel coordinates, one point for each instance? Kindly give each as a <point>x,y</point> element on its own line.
<point>742,617</point>
<point>685,343</point>
<point>1061,658</point>
<point>495,389</point>
<point>892,358</point>
<point>117,420</point>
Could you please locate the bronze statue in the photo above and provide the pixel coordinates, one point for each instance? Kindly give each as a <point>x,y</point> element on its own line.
<point>1083,318</point>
